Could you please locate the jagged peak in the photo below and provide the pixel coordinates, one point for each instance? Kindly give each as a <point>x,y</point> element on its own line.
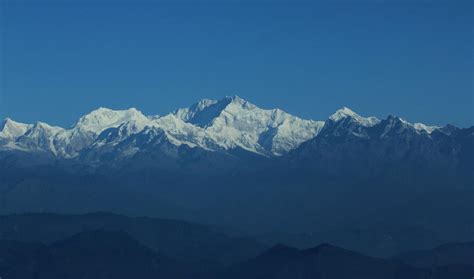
<point>204,103</point>
<point>42,129</point>
<point>448,129</point>
<point>12,129</point>
<point>419,127</point>
<point>205,111</point>
<point>99,119</point>
<point>187,114</point>
<point>101,109</point>
<point>423,127</point>
<point>104,111</point>
<point>345,113</point>
<point>202,112</point>
<point>236,100</point>
<point>39,125</point>
<point>394,120</point>
<point>226,123</point>
<point>8,122</point>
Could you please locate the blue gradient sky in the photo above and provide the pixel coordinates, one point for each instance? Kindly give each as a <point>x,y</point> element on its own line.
<point>60,60</point>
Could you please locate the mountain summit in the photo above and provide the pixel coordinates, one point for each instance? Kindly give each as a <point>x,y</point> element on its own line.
<point>228,125</point>
<point>230,162</point>
<point>235,122</point>
<point>216,125</point>
<point>346,113</point>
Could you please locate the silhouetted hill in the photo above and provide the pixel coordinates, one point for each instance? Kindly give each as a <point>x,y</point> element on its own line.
<point>447,254</point>
<point>176,239</point>
<point>324,261</point>
<point>382,241</point>
<point>101,254</point>
<point>330,262</point>
<point>93,254</point>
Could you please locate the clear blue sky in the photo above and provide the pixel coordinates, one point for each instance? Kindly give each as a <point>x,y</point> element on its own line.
<point>61,59</point>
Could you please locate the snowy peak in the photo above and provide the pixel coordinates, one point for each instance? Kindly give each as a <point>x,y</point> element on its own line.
<point>202,113</point>
<point>347,122</point>
<point>343,113</point>
<point>233,122</point>
<point>394,123</point>
<point>103,118</point>
<point>205,111</point>
<point>42,131</point>
<point>41,126</point>
<point>426,128</point>
<point>224,125</point>
<point>40,137</point>
<point>10,129</point>
<point>346,113</point>
<point>237,101</point>
<point>187,114</point>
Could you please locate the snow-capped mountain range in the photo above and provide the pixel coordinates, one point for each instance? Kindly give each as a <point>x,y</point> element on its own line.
<point>213,125</point>
<point>229,160</point>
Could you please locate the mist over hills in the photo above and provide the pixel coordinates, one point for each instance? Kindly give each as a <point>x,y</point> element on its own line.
<point>180,240</point>
<point>104,245</point>
<point>114,165</point>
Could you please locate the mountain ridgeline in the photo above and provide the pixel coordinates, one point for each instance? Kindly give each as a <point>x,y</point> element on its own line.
<point>233,128</point>
<point>380,186</point>
<point>104,245</point>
